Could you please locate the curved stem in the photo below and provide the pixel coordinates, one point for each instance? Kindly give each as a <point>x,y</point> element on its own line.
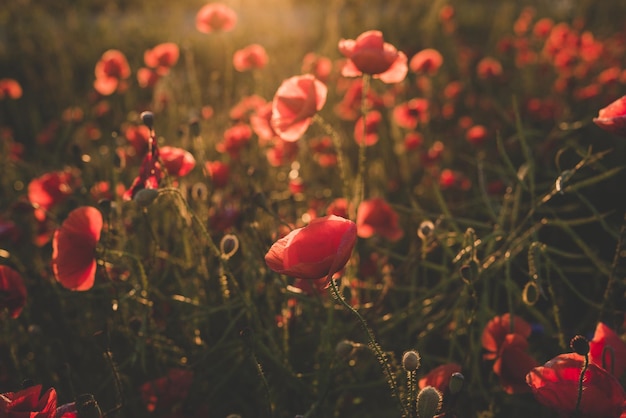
<point>580,386</point>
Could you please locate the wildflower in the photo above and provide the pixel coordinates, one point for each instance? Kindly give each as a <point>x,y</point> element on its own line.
<point>488,68</point>
<point>612,118</point>
<point>261,124</point>
<point>246,107</point>
<point>412,140</point>
<point>513,363</point>
<point>375,216</point>
<point>252,57</point>
<point>317,65</point>
<point>74,248</point>
<point>28,403</point>
<point>111,70</point>
<point>177,161</point>
<point>235,138</point>
<point>215,17</point>
<point>295,103</point>
<point>138,137</point>
<point>370,54</point>
<point>318,250</point>
<point>372,121</point>
<point>162,57</point>
<point>439,377</point>
<point>49,190</point>
<point>476,135</point>
<point>10,88</point>
<point>408,115</point>
<point>556,384</point>
<point>219,173</point>
<point>498,328</point>
<point>427,61</point>
<point>12,292</point>
<point>164,392</point>
<point>608,350</point>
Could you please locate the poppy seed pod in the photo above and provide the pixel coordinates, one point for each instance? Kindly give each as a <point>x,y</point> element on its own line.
<point>320,249</point>
<point>411,361</point>
<point>428,402</point>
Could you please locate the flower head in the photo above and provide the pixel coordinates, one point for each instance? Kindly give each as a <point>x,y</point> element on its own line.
<point>162,57</point>
<point>215,17</point>
<point>555,385</point>
<point>370,54</point>
<point>12,291</point>
<point>375,216</point>
<point>10,88</point>
<point>28,403</point>
<point>318,250</point>
<point>295,103</point>
<point>177,161</point>
<point>427,61</point>
<point>74,248</point>
<point>110,71</point>
<point>612,118</point>
<point>252,57</point>
<point>498,328</point>
<point>608,350</point>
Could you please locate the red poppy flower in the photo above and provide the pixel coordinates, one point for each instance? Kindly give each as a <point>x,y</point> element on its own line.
<point>12,291</point>
<point>147,77</point>
<point>427,61</point>
<point>150,174</point>
<point>215,17</point>
<point>281,152</point>
<point>110,70</point>
<point>261,123</point>
<point>177,161</point>
<point>338,207</point>
<point>10,88</point>
<point>375,216</point>
<point>489,68</point>
<point>612,118</point>
<point>555,385</point>
<point>74,248</point>
<point>235,138</point>
<point>439,377</point>
<point>139,137</point>
<point>320,249</point>
<point>606,343</point>
<point>370,54</point>
<point>252,57</point>
<point>49,190</point>
<point>350,106</point>
<point>163,393</point>
<point>413,140</point>
<point>476,135</point>
<point>513,363</point>
<point>372,121</point>
<point>498,328</point>
<point>27,403</point>
<point>219,172</point>
<point>162,57</point>
<point>317,65</point>
<point>408,115</point>
<point>295,103</point>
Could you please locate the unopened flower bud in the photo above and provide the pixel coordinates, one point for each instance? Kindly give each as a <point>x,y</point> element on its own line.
<point>344,348</point>
<point>579,345</point>
<point>428,402</point>
<point>411,361</point>
<point>148,119</point>
<point>229,245</point>
<point>457,380</point>
<point>145,197</point>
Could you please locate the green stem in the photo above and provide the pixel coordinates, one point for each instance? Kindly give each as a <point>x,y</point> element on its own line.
<point>374,346</point>
<point>360,191</point>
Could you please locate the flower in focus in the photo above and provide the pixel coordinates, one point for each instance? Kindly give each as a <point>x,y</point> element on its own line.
<point>370,54</point>
<point>111,70</point>
<point>10,88</point>
<point>498,328</point>
<point>177,161</point>
<point>612,118</point>
<point>439,377</point>
<point>608,350</point>
<point>372,121</point>
<point>427,61</point>
<point>215,17</point>
<point>555,385</point>
<point>164,392</point>
<point>252,57</point>
<point>375,216</point>
<point>28,403</point>
<point>295,103</point>
<point>74,248</point>
<point>12,292</point>
<point>318,250</point>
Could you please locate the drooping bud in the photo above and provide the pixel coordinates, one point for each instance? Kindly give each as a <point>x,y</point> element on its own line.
<point>580,345</point>
<point>428,402</point>
<point>229,245</point>
<point>411,361</point>
<point>344,348</point>
<point>457,381</point>
<point>145,197</point>
<point>148,119</point>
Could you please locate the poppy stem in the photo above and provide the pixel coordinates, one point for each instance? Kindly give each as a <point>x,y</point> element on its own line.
<point>341,160</point>
<point>580,386</point>
<point>360,189</point>
<point>374,346</point>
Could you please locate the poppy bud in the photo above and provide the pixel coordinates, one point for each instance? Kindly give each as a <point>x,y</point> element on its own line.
<point>229,245</point>
<point>457,380</point>
<point>148,119</point>
<point>344,348</point>
<point>145,197</point>
<point>579,345</point>
<point>411,361</point>
<point>428,402</point>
